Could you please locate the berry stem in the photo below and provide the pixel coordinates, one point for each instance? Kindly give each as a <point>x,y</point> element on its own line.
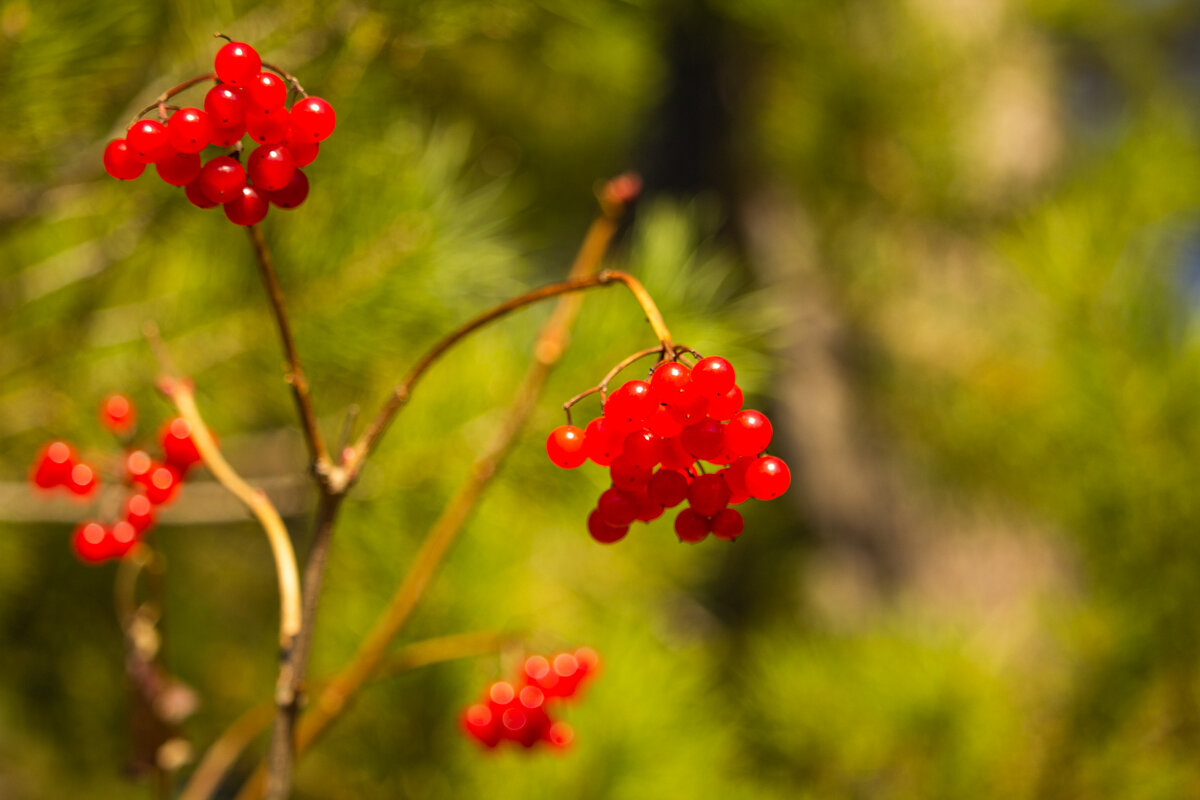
<point>602,387</point>
<point>161,100</point>
<point>287,76</point>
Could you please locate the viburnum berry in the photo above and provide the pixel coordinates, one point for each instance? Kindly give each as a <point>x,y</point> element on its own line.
<point>117,413</point>
<point>237,63</point>
<point>617,507</point>
<point>604,532</point>
<point>266,93</point>
<point>480,723</point>
<point>313,119</point>
<point>53,466</point>
<point>713,376</point>
<point>122,536</point>
<point>668,379</point>
<point>748,433</point>
<point>630,406</point>
<point>691,526</point>
<point>705,440</point>
<point>247,208</point>
<point>688,406</point>
<point>708,494</point>
<point>196,196</point>
<point>667,487</point>
<point>222,179</point>
<point>90,542</point>
<point>178,169</point>
<point>642,448</point>
<point>602,441</point>
<point>229,136</point>
<point>767,478</point>
<point>266,128</point>
<point>291,195</point>
<point>727,524</point>
<point>627,474</point>
<point>82,480</point>
<point>565,446</point>
<point>724,406</point>
<point>648,508</point>
<point>138,464</point>
<point>226,106</point>
<point>120,162</point>
<point>148,141</point>
<point>303,152</point>
<point>139,512</point>
<point>161,483</point>
<point>189,130</point>
<point>662,424</point>
<point>179,448</point>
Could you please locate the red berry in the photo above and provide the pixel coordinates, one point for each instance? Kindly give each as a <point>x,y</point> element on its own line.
<point>53,466</point>
<point>663,425</point>
<point>222,179</point>
<point>190,130</point>
<point>266,93</point>
<point>179,449</point>
<point>713,376</point>
<point>148,141</point>
<point>675,456</point>
<point>708,494</point>
<point>304,153</point>
<point>643,448</point>
<point>178,169</point>
<point>266,128</point>
<point>291,195</point>
<point>690,526</point>
<point>648,509</point>
<point>689,406</point>
<point>748,433</point>
<point>630,406</point>
<point>566,669</point>
<point>139,512</point>
<point>704,440</point>
<point>237,63</point>
<point>565,446</point>
<point>226,107</point>
<point>560,735</point>
<point>122,536</point>
<point>161,482</point>
<point>767,478</point>
<point>667,487</point>
<point>668,379</point>
<point>602,531</point>
<point>602,441</point>
<point>138,465</point>
<point>627,475</point>
<point>588,660</point>
<point>617,507</point>
<point>724,406</point>
<point>196,196</point>
<point>90,542</point>
<point>117,413</point>
<point>249,208</point>
<point>120,162</point>
<point>728,524</point>
<point>313,119</point>
<point>270,167</point>
<point>532,701</point>
<point>228,137</point>
<point>480,723</point>
<point>82,480</point>
<point>537,672</point>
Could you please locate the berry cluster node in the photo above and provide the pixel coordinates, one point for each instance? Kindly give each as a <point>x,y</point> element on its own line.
<point>518,711</point>
<point>654,437</point>
<point>245,101</point>
<point>150,483</point>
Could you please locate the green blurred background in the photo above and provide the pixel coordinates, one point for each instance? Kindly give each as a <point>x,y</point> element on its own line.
<point>951,246</point>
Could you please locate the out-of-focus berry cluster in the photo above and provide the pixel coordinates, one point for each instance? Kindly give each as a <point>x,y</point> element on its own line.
<point>655,436</point>
<point>245,100</point>
<point>519,711</point>
<point>149,482</point>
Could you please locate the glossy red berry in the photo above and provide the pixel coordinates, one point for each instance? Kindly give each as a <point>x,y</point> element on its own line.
<point>691,526</point>
<point>117,413</point>
<point>724,406</point>
<point>705,440</point>
<point>617,507</point>
<point>90,541</point>
<point>630,406</point>
<point>196,196</point>
<point>708,494</point>
<point>148,141</point>
<point>602,441</point>
<point>228,136</point>
<point>313,119</point>
<point>248,208</point>
<point>667,487</point>
<point>82,480</point>
<point>482,724</point>
<point>189,130</point>
<point>728,524</point>
<point>266,93</point>
<point>120,162</point>
<point>270,167</point>
<point>767,478</point>
<point>604,532</point>
<point>628,475</point>
<point>303,152</point>
<point>139,512</point>
<point>642,448</point>
<point>53,465</point>
<point>178,169</point>
<point>662,424</point>
<point>713,376</point>
<point>560,735</point>
<point>221,179</point>
<point>122,536</point>
<point>648,509</point>
<point>266,128</point>
<point>291,195</point>
<point>689,406</point>
<point>138,465</point>
<point>162,483</point>
<point>668,379</point>
<point>748,433</point>
<point>225,106</point>
<point>179,448</point>
<point>237,63</point>
<point>565,446</point>
<point>675,456</point>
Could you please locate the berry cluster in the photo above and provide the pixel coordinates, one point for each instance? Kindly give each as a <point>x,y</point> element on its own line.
<point>150,483</point>
<point>245,100</point>
<point>676,420</point>
<point>516,711</point>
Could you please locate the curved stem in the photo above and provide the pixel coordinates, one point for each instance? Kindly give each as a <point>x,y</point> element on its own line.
<point>287,76</point>
<point>174,90</point>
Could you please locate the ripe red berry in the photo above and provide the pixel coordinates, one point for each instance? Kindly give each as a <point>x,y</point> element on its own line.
<point>748,433</point>
<point>270,167</point>
<point>560,735</point>
<point>602,441</point>
<point>222,179</point>
<point>704,440</point>
<point>53,466</point>
<point>226,106</point>
<point>266,128</point>
<point>228,137</point>
<point>767,478</point>
<point>122,536</point>
<point>189,130</point>
<point>248,208</point>
<point>266,93</point>
<point>708,494</point>
<point>179,449</point>
<point>304,153</point>
<point>161,482</point>
<point>565,446</point>
<point>689,406</point>
<point>196,196</point>
<point>628,475</point>
<point>313,119</point>
<point>728,524</point>
<point>667,487</point>
<point>713,376</point>
<point>602,531</point>
<point>668,379</point>
<point>148,141</point>
<point>648,509</point>
<point>662,424</point>
<point>90,541</point>
<point>178,169</point>
<point>630,406</point>
<point>138,465</point>
<point>291,195</point>
<point>139,512</point>
<point>117,413</point>
<point>643,448</point>
<point>482,724</point>
<point>237,63</point>
<point>82,480</point>
<point>690,526</point>
<point>120,162</point>
<point>724,406</point>
<point>617,507</point>
<point>675,456</point>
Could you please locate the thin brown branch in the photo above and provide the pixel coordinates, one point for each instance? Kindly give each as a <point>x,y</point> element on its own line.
<point>295,373</point>
<point>287,76</point>
<point>174,90</point>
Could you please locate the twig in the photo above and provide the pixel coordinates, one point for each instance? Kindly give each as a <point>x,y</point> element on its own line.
<point>174,90</point>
